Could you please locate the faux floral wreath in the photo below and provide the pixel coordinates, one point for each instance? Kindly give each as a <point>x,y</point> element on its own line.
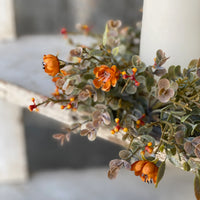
<point>155,109</point>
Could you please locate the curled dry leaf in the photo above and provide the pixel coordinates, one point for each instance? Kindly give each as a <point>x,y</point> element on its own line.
<point>189,148</point>
<point>86,92</point>
<point>197,150</point>
<point>114,24</point>
<point>60,82</point>
<point>84,132</point>
<point>160,71</point>
<point>101,116</point>
<point>76,52</point>
<point>179,137</point>
<point>113,172</point>
<point>90,131</point>
<point>106,118</point>
<point>196,141</point>
<point>61,137</point>
<point>164,90</point>
<point>68,86</point>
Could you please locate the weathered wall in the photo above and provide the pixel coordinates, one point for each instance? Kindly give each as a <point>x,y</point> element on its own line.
<point>48,16</point>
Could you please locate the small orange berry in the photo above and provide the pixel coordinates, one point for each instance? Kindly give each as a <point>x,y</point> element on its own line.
<point>117,120</point>
<point>62,107</point>
<point>138,122</point>
<point>142,152</point>
<point>116,129</point>
<point>125,129</point>
<point>150,150</point>
<point>69,106</point>
<point>149,144</point>
<point>72,99</point>
<point>33,99</point>
<point>123,73</point>
<point>112,132</point>
<point>134,70</point>
<point>137,126</point>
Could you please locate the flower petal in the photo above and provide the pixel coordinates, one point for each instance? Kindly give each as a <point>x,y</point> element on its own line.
<point>96,69</point>
<point>106,87</point>
<point>97,83</point>
<point>114,81</point>
<point>114,68</point>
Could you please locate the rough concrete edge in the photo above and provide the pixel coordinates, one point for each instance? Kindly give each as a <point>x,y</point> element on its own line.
<point>22,97</point>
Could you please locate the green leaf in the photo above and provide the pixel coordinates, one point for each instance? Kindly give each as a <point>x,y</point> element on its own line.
<point>125,154</point>
<point>193,64</point>
<point>114,104</point>
<point>131,88</point>
<point>115,51</point>
<point>193,128</point>
<point>171,72</point>
<point>100,96</point>
<point>178,71</point>
<point>105,35</point>
<point>148,138</point>
<point>161,172</point>
<point>197,186</point>
<point>185,117</point>
<point>88,76</point>
<point>145,130</point>
<point>96,52</point>
<point>136,60</point>
<point>141,67</point>
<point>186,166</point>
<point>174,159</point>
<point>142,80</point>
<point>149,81</point>
<point>81,85</point>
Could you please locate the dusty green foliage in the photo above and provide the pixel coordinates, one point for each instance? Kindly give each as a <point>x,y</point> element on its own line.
<point>158,106</point>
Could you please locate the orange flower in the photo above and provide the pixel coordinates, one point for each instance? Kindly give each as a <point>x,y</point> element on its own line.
<point>105,77</point>
<point>146,170</point>
<point>51,64</point>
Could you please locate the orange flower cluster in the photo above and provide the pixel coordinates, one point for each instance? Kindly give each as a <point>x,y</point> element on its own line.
<point>131,77</point>
<point>51,64</point>
<point>105,77</point>
<point>147,170</point>
<point>140,122</point>
<point>71,105</point>
<point>148,148</point>
<point>118,127</point>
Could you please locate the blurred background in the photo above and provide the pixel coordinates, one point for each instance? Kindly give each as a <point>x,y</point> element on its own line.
<point>78,169</point>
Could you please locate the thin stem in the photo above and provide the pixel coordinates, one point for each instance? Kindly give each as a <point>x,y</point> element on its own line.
<point>125,85</point>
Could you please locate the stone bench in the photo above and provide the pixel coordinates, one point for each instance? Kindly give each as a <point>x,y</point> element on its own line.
<point>22,78</point>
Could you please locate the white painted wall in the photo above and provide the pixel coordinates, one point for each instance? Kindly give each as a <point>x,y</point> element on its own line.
<point>7,21</point>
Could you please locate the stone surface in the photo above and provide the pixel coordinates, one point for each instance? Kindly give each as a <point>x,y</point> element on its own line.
<point>13,165</point>
<point>93,184</point>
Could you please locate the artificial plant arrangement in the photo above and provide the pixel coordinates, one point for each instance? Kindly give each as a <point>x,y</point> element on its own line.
<point>154,109</point>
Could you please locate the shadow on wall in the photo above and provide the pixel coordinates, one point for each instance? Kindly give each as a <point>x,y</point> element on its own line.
<point>44,152</point>
<point>49,16</point>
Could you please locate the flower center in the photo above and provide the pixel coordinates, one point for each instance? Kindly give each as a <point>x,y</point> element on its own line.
<point>104,77</point>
